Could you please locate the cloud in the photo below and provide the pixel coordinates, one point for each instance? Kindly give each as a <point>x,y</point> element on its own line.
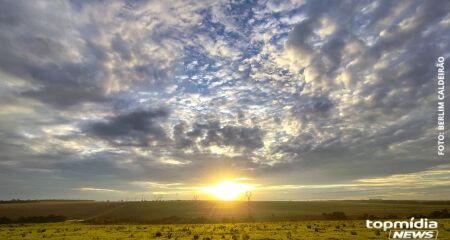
<point>237,137</point>
<point>138,128</point>
<point>45,55</point>
<point>84,189</point>
<point>159,185</point>
<point>281,92</point>
<point>397,186</point>
<point>82,53</point>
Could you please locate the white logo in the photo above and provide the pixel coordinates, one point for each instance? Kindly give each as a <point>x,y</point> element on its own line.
<point>419,229</point>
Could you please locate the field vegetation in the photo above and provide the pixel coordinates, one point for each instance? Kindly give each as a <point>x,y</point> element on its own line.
<point>203,220</point>
<point>343,229</point>
<point>223,211</point>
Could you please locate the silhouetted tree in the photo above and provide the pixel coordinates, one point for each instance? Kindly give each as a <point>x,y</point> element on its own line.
<point>249,195</point>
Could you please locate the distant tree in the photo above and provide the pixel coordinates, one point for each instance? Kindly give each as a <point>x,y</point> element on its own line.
<point>196,197</point>
<point>158,197</point>
<point>249,195</point>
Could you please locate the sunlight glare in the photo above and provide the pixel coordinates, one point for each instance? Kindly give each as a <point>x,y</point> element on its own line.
<point>227,190</point>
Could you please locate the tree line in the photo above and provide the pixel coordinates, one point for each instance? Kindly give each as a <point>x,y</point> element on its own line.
<point>34,219</point>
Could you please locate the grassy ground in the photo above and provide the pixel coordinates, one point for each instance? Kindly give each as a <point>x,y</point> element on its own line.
<point>275,230</point>
<point>218,211</point>
<point>225,214</point>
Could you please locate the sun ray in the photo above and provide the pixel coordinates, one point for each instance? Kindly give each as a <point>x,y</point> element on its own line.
<point>227,190</point>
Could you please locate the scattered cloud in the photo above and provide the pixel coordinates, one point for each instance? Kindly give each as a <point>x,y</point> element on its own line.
<point>84,189</point>
<point>317,96</point>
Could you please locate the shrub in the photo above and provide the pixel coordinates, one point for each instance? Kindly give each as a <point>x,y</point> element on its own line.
<point>440,214</point>
<point>245,236</point>
<point>289,235</point>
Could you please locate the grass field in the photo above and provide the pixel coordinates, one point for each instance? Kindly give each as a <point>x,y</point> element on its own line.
<point>350,229</point>
<point>217,211</point>
<point>220,220</point>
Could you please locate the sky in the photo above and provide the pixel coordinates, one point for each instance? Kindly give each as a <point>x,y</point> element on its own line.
<point>301,100</point>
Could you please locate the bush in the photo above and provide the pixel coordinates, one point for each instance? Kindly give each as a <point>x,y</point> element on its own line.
<point>245,237</point>
<point>440,214</point>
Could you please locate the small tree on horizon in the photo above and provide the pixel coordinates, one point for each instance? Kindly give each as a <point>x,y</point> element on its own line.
<point>196,197</point>
<point>249,195</point>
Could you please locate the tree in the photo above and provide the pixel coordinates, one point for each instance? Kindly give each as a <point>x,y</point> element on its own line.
<point>249,195</point>
<point>196,197</point>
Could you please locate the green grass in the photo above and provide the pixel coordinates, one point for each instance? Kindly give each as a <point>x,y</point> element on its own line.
<point>213,211</point>
<point>274,230</point>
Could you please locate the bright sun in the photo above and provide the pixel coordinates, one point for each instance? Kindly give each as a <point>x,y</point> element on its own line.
<point>227,190</point>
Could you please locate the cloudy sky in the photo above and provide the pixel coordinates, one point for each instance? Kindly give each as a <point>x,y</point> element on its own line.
<point>300,99</point>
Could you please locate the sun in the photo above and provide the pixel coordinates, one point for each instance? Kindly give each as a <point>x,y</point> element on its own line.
<point>227,190</point>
